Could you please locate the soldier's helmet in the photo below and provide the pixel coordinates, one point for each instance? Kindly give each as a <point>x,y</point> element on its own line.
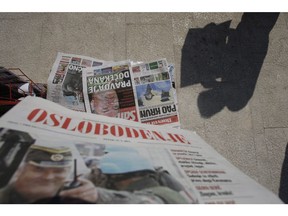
<point>124,162</point>
<point>49,157</point>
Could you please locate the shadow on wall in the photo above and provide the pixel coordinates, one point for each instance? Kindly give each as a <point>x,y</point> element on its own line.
<point>283,189</point>
<point>226,61</point>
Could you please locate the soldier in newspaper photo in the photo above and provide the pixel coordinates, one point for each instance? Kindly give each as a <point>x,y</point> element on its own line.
<point>65,80</point>
<point>72,88</point>
<point>13,146</point>
<point>123,168</point>
<point>72,84</point>
<point>156,96</point>
<point>156,102</point>
<point>41,175</point>
<point>44,176</point>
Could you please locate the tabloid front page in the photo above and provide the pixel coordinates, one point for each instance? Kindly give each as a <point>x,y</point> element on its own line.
<point>150,98</point>
<point>50,154</point>
<point>155,93</point>
<point>65,80</point>
<point>108,90</point>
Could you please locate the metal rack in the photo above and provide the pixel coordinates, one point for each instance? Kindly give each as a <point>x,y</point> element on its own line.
<point>12,81</point>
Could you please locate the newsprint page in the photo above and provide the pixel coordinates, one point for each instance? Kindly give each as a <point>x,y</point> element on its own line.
<point>155,94</point>
<point>141,91</point>
<point>108,90</point>
<point>65,80</point>
<point>50,154</point>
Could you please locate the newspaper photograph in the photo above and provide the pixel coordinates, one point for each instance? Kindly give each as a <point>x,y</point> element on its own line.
<point>155,93</point>
<point>171,70</point>
<point>58,155</point>
<point>65,80</point>
<point>108,90</point>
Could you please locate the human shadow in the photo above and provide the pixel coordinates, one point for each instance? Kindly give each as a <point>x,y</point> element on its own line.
<point>283,189</point>
<point>226,61</point>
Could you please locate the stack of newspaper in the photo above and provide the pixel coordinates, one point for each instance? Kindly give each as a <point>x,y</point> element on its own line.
<point>104,154</point>
<point>141,92</point>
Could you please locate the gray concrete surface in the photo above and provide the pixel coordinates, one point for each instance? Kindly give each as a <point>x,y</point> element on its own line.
<point>253,138</point>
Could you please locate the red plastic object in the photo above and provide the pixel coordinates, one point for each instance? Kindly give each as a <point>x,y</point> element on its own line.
<point>11,80</point>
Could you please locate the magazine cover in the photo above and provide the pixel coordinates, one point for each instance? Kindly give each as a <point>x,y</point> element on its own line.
<point>155,93</point>
<point>65,80</point>
<point>50,154</point>
<point>109,91</point>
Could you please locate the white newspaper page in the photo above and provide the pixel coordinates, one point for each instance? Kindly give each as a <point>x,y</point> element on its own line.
<point>65,80</point>
<point>50,154</point>
<point>171,69</point>
<point>108,90</point>
<point>155,93</point>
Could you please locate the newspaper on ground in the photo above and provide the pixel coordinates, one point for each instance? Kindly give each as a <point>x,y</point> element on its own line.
<point>155,93</point>
<point>108,90</point>
<point>65,80</point>
<point>150,99</point>
<point>50,154</point>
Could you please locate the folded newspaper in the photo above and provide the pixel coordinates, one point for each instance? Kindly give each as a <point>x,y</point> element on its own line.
<point>108,90</point>
<point>155,94</point>
<point>141,92</point>
<point>51,154</point>
<point>65,80</point>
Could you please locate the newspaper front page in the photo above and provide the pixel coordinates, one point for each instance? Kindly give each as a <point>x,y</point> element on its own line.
<point>155,93</point>
<point>50,154</point>
<point>150,99</point>
<point>108,90</point>
<point>171,69</point>
<point>65,80</point>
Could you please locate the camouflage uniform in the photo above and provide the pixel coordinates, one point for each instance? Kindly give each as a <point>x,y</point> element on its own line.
<point>145,184</point>
<point>10,196</point>
<point>107,196</point>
